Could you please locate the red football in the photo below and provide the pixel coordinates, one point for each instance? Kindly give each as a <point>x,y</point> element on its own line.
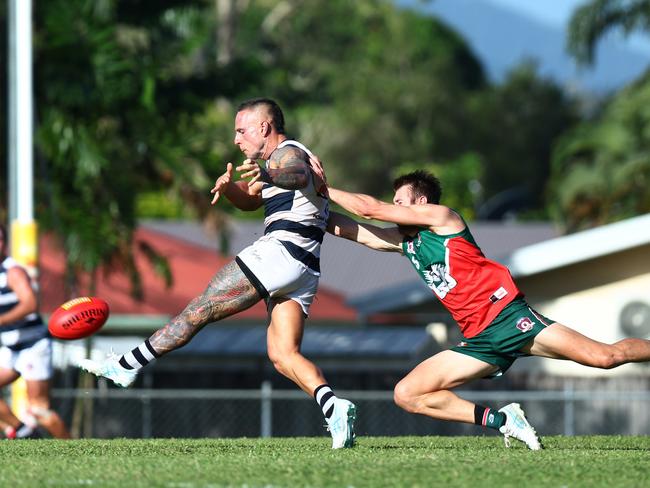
<point>78,318</point>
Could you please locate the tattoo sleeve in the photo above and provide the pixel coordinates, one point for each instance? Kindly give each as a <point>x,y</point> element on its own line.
<point>288,168</point>
<point>228,292</point>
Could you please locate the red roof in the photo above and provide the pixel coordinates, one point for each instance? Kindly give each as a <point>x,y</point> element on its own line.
<point>192,268</point>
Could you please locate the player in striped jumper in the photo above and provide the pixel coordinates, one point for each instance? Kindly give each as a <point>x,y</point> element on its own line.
<point>497,324</point>
<point>25,350</point>
<point>282,267</point>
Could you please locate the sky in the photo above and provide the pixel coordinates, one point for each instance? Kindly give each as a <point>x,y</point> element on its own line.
<point>558,13</point>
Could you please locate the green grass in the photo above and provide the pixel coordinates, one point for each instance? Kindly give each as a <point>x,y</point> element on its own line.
<point>308,462</point>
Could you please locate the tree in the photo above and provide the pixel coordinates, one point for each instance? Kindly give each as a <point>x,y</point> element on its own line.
<point>601,169</point>
<point>367,85</point>
<point>516,125</point>
<point>596,18</point>
<point>123,100</point>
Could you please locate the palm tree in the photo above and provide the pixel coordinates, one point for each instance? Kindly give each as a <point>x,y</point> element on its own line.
<point>592,21</point>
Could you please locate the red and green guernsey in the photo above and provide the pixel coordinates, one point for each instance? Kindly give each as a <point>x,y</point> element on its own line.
<point>473,288</point>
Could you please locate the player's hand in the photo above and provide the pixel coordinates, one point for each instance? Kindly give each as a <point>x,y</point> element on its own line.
<point>250,169</point>
<point>320,179</point>
<point>222,182</point>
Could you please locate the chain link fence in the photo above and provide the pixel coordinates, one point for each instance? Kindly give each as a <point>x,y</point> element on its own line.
<point>107,412</point>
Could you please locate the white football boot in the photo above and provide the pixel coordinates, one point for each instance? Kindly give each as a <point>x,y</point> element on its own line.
<point>341,424</point>
<point>518,427</point>
<point>111,369</point>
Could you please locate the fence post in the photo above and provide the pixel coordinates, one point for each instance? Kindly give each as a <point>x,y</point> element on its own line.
<point>266,410</point>
<point>569,407</point>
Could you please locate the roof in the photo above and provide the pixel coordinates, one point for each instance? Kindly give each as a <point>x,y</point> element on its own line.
<point>192,266</point>
<point>354,270</point>
<point>579,247</point>
<point>528,260</point>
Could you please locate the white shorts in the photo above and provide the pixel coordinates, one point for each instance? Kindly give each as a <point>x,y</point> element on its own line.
<point>279,273</point>
<point>33,363</point>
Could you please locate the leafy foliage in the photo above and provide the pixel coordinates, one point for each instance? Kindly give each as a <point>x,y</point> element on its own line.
<point>516,125</point>
<point>602,169</point>
<point>365,87</point>
<point>122,108</point>
<point>596,18</point>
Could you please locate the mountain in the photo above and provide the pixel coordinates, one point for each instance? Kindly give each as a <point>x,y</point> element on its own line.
<point>503,38</point>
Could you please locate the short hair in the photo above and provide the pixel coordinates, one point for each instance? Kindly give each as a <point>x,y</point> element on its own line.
<point>274,110</point>
<point>422,183</point>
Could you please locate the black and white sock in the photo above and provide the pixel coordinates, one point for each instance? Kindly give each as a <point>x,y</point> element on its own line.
<point>139,357</point>
<point>325,398</point>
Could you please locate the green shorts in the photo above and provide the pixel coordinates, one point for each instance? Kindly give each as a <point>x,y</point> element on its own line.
<point>501,342</point>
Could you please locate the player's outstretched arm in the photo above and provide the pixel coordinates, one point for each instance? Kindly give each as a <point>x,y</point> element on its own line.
<point>238,192</point>
<point>288,168</point>
<point>368,207</point>
<point>378,238</point>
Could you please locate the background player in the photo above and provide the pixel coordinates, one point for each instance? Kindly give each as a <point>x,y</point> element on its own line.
<point>497,323</point>
<point>25,350</point>
<point>282,267</point>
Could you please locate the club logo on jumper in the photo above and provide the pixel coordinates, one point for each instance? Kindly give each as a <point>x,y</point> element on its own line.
<point>439,280</point>
<point>524,324</point>
<point>409,247</point>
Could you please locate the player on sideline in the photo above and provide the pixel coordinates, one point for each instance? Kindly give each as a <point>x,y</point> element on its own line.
<point>25,350</point>
<point>497,323</point>
<point>282,267</point>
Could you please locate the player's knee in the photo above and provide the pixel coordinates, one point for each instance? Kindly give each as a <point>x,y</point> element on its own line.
<point>185,326</point>
<point>279,365</point>
<point>280,360</point>
<point>404,398</point>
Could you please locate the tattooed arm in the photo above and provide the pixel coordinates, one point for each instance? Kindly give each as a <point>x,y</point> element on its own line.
<point>288,168</point>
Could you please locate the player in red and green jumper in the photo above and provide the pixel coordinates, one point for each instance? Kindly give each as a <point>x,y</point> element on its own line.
<point>497,324</point>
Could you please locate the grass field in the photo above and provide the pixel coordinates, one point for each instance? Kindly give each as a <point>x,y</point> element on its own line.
<point>300,462</point>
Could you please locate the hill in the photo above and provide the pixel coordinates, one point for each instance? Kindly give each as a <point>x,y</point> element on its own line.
<point>503,38</point>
